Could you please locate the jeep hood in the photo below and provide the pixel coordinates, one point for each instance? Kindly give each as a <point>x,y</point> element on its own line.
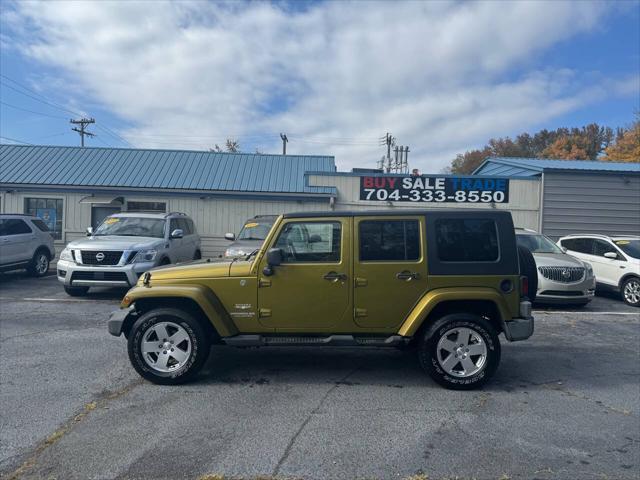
<point>201,269</point>
<point>115,242</point>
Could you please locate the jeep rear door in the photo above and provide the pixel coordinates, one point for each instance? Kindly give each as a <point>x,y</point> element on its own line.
<point>310,291</point>
<point>390,272</point>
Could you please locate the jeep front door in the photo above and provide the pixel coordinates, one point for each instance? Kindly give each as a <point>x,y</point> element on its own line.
<point>310,290</point>
<point>390,273</point>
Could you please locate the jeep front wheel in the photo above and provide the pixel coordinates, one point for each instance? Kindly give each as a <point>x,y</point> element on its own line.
<point>167,346</point>
<point>460,351</point>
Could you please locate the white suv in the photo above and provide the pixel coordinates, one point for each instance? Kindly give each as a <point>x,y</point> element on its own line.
<point>123,247</point>
<point>25,242</point>
<point>615,261</point>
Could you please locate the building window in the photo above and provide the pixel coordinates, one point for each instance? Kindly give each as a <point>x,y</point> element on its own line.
<point>49,210</point>
<point>389,240</point>
<point>467,240</point>
<point>146,207</point>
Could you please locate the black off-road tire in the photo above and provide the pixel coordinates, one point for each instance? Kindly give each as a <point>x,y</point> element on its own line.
<point>628,289</point>
<point>428,355</point>
<point>76,291</point>
<point>39,264</point>
<point>528,269</point>
<point>200,346</point>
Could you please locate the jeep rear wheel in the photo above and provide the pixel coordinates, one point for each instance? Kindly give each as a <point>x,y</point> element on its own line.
<point>460,351</point>
<point>167,346</point>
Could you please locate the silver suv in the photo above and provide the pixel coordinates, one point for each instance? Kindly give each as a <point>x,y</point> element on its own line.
<point>123,247</point>
<point>562,279</point>
<point>25,242</point>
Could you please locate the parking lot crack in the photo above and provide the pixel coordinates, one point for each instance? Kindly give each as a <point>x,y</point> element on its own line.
<point>100,401</point>
<point>317,408</point>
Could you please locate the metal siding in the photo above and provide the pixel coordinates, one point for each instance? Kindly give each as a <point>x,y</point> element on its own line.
<point>175,169</point>
<point>606,203</point>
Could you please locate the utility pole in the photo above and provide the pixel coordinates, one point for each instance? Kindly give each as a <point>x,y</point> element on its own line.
<point>83,122</point>
<point>284,138</point>
<point>390,141</point>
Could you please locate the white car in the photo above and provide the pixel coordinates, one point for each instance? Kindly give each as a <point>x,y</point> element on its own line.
<point>615,261</point>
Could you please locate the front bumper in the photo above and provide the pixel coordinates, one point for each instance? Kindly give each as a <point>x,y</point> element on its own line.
<point>117,319</point>
<point>75,275</point>
<point>553,292</point>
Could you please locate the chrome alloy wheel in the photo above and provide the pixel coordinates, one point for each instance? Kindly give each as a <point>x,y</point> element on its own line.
<point>632,291</point>
<point>462,352</point>
<point>166,346</point>
<point>42,264</point>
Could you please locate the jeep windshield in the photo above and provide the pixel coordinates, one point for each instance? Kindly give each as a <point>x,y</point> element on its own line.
<point>131,227</point>
<point>538,244</point>
<point>257,230</point>
<point>628,246</point>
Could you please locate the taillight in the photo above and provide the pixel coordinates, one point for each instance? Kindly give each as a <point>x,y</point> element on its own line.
<point>524,286</point>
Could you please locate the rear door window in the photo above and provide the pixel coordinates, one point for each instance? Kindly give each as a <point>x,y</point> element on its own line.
<point>467,240</point>
<point>389,240</point>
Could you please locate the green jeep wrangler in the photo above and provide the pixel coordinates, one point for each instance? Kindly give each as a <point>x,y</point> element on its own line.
<point>446,282</point>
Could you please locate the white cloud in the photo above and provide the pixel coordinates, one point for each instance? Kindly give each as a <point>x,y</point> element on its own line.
<point>335,76</point>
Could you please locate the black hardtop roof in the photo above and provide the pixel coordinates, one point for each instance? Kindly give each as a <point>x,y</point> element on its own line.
<point>403,212</point>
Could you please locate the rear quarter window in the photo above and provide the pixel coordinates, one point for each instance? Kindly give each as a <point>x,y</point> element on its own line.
<point>40,224</point>
<point>467,240</point>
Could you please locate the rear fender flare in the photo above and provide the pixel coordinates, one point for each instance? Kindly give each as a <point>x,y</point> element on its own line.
<point>432,299</point>
<point>202,296</point>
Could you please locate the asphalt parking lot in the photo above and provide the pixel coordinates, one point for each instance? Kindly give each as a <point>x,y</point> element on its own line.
<point>564,405</point>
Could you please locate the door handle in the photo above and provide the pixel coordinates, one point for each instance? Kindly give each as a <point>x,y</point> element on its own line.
<point>407,276</point>
<point>335,276</point>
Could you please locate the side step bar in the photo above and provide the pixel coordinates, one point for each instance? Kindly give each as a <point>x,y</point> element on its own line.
<point>331,340</point>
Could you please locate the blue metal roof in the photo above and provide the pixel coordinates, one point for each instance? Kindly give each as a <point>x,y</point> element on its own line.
<point>515,166</point>
<point>161,169</point>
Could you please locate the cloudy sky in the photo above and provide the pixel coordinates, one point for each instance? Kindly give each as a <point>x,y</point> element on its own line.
<point>442,77</point>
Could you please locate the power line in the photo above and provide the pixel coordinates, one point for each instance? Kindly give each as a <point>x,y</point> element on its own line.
<point>15,140</point>
<point>31,111</point>
<point>53,104</point>
<point>39,99</point>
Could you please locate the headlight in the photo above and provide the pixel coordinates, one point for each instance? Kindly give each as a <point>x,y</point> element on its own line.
<point>66,255</point>
<point>589,269</point>
<point>145,256</point>
<point>235,252</point>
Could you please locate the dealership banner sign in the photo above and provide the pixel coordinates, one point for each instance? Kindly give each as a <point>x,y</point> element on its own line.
<point>434,189</point>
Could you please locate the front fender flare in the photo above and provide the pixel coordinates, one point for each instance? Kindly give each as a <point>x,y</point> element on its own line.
<point>433,298</point>
<point>206,299</point>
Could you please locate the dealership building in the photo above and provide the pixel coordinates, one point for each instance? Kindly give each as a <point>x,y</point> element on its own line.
<point>73,188</point>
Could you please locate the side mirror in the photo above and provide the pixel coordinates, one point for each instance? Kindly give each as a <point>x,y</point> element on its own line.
<point>230,236</point>
<point>177,233</point>
<point>564,249</point>
<point>611,255</point>
<point>315,238</point>
<point>274,258</point>
<point>89,231</point>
